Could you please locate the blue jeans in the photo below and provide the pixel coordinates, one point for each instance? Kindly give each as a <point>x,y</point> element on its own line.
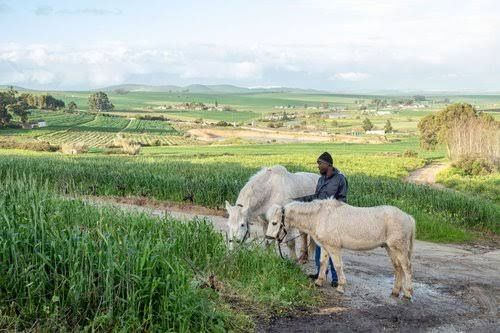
<point>317,256</point>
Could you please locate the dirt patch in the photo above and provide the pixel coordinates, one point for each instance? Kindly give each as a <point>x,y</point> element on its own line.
<point>283,136</point>
<point>427,175</point>
<point>171,206</point>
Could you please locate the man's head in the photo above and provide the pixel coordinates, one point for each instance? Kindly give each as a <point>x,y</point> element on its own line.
<point>325,161</point>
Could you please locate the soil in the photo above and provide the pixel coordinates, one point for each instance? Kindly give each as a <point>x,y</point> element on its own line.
<point>264,135</point>
<point>456,289</point>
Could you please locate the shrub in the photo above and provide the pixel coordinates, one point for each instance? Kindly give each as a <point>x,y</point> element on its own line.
<point>74,148</point>
<point>474,166</point>
<point>410,153</point>
<point>33,145</point>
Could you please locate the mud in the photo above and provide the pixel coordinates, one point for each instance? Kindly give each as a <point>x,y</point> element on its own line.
<point>456,289</point>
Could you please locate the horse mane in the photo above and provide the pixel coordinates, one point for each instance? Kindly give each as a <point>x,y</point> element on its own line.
<point>306,208</point>
<point>253,188</point>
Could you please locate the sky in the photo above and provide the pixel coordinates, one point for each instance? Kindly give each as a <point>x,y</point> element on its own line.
<point>335,45</point>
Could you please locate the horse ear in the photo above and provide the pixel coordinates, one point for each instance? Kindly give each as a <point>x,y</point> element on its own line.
<point>228,206</point>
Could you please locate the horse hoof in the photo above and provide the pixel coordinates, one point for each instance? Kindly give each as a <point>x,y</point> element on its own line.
<point>340,290</point>
<point>395,295</point>
<point>407,299</point>
<point>302,261</point>
<point>319,282</point>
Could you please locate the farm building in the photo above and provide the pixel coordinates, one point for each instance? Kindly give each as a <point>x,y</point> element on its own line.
<point>375,132</point>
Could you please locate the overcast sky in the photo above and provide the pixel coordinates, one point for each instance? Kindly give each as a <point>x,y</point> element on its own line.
<point>335,45</point>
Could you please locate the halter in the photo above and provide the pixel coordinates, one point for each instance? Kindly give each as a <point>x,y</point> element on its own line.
<point>282,229</point>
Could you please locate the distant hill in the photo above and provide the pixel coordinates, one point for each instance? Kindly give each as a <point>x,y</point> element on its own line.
<point>202,88</point>
<point>5,87</point>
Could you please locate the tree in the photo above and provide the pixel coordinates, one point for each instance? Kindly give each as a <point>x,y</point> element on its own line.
<point>72,106</point>
<point>20,109</point>
<point>6,98</point>
<point>388,127</point>
<point>367,125</point>
<point>99,102</point>
<point>11,105</point>
<point>436,128</point>
<point>428,132</point>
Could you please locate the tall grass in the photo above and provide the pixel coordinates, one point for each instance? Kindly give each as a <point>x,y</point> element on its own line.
<point>211,180</point>
<point>67,265</point>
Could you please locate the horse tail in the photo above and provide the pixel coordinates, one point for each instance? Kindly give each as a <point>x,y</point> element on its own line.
<point>412,237</point>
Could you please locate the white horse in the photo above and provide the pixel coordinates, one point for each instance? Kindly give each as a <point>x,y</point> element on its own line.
<point>274,185</point>
<point>335,225</point>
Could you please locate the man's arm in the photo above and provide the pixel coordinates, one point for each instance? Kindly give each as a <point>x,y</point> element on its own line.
<point>307,198</point>
<point>342,190</point>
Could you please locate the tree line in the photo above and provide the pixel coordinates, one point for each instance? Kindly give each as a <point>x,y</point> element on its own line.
<point>14,104</point>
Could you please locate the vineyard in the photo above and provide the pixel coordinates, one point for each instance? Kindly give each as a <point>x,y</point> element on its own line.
<point>97,130</point>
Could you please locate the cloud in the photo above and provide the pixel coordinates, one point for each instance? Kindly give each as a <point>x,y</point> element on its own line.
<point>45,10</point>
<point>4,8</point>
<point>351,76</point>
<point>325,66</point>
<point>91,11</point>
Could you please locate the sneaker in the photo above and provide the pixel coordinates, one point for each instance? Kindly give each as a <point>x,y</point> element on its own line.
<point>313,276</point>
<point>335,284</point>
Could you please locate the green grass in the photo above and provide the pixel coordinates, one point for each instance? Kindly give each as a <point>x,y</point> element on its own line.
<point>487,186</point>
<point>69,266</point>
<point>215,177</point>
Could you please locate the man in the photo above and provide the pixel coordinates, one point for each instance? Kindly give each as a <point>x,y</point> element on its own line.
<point>332,183</point>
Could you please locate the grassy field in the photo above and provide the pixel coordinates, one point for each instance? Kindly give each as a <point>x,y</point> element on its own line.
<point>69,266</point>
<point>172,173</point>
<point>487,186</point>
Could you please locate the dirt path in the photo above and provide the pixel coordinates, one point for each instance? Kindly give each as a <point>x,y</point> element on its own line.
<point>427,175</point>
<point>456,290</point>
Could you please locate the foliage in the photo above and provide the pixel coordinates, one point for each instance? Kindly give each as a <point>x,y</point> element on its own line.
<point>481,185</point>
<point>367,125</point>
<point>388,127</point>
<point>100,102</point>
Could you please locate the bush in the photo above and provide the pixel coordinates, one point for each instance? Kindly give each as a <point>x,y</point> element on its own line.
<point>34,145</point>
<point>410,153</point>
<point>474,166</point>
<point>128,147</point>
<point>74,148</point>
<point>222,123</point>
<point>275,124</point>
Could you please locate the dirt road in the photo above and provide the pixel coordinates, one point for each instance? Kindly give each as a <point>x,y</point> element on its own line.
<point>456,290</point>
<point>427,175</point>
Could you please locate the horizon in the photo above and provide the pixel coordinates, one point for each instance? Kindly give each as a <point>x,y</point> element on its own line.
<point>336,46</point>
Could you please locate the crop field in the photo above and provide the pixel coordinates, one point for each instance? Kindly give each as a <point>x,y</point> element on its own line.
<point>178,172</point>
<point>95,130</point>
<point>149,126</point>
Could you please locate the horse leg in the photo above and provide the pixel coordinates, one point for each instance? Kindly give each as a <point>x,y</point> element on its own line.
<point>304,255</point>
<point>291,249</point>
<point>406,266</point>
<point>336,255</point>
<point>323,265</point>
<point>398,272</point>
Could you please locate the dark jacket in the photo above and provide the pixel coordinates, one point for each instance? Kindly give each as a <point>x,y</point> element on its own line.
<point>335,186</point>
